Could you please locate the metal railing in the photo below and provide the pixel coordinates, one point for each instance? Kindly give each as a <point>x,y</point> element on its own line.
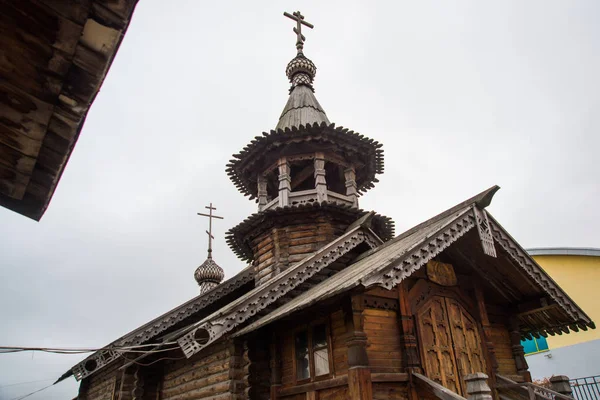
<point>530,390</point>
<point>587,388</point>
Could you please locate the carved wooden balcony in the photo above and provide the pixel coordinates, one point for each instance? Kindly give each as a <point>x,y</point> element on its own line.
<point>310,196</point>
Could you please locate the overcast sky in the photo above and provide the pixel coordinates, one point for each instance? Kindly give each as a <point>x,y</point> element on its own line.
<point>462,97</point>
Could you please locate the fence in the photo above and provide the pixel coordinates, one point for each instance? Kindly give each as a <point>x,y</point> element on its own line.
<point>587,388</point>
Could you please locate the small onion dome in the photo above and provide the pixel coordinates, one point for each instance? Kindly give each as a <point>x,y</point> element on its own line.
<point>301,71</point>
<point>208,275</point>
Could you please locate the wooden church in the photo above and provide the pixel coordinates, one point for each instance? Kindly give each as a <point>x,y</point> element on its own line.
<point>332,305</point>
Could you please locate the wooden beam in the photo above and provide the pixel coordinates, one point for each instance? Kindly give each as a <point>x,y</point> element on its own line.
<point>487,330</point>
<point>434,388</point>
<point>360,386</point>
<point>303,175</point>
<point>408,336</point>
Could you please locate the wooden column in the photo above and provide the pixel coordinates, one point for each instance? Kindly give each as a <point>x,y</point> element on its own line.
<point>275,361</point>
<point>350,176</point>
<point>285,182</point>
<point>320,182</point>
<point>408,337</point>
<point>359,374</point>
<point>487,330</point>
<point>262,192</point>
<point>518,351</point>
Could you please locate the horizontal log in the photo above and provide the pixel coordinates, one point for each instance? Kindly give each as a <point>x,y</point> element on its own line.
<point>389,377</point>
<point>206,381</point>
<point>314,386</point>
<point>212,390</point>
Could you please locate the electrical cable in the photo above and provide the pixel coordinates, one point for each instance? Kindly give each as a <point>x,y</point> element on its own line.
<point>32,393</point>
<point>79,350</point>
<point>24,383</point>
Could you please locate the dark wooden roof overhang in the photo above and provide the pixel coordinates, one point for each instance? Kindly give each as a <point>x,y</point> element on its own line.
<point>545,309</point>
<point>55,55</point>
<point>264,150</point>
<point>238,237</point>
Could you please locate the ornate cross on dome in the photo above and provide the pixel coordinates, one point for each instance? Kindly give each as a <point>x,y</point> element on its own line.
<point>299,18</point>
<point>209,231</point>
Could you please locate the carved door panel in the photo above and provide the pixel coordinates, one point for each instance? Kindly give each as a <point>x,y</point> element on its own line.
<point>450,342</point>
<point>436,344</point>
<point>468,349</point>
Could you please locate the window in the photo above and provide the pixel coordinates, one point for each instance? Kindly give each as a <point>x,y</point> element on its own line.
<point>532,346</point>
<point>311,350</point>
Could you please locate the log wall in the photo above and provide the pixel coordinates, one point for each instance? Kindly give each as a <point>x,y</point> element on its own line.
<point>390,391</point>
<point>503,349</point>
<point>281,246</point>
<point>100,386</point>
<point>214,373</point>
<point>383,340</point>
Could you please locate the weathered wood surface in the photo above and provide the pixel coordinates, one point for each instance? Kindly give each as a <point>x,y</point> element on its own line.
<point>383,340</point>
<point>284,244</point>
<point>430,389</point>
<point>54,60</point>
<point>207,374</point>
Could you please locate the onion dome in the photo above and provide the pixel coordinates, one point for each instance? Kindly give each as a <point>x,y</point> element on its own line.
<point>208,275</point>
<point>302,107</point>
<point>301,71</point>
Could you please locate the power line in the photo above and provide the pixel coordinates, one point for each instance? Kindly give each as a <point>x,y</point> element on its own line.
<point>24,383</point>
<point>80,350</point>
<point>32,393</point>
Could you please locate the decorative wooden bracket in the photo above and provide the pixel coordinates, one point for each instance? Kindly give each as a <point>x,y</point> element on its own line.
<point>485,233</point>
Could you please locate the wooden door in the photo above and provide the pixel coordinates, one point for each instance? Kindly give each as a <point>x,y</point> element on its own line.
<point>450,342</point>
<point>468,348</point>
<point>436,344</point>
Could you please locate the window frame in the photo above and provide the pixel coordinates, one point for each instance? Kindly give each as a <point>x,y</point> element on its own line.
<point>308,328</point>
<point>535,341</point>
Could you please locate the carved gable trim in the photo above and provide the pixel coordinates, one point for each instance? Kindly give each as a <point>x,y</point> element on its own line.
<point>392,275</point>
<point>223,321</point>
<point>527,264</point>
<point>485,234</point>
<point>141,335</point>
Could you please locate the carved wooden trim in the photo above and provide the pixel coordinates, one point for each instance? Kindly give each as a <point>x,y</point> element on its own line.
<point>485,234</point>
<point>522,259</point>
<point>285,182</point>
<point>390,276</point>
<point>380,303</point>
<point>268,293</point>
<point>104,357</point>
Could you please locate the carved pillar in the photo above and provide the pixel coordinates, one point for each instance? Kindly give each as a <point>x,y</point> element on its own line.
<point>408,337</point>
<point>487,330</point>
<point>518,351</point>
<point>285,182</point>
<point>275,353</point>
<point>561,385</point>
<point>477,387</point>
<point>359,374</point>
<point>320,183</point>
<point>350,176</point>
<point>262,192</point>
